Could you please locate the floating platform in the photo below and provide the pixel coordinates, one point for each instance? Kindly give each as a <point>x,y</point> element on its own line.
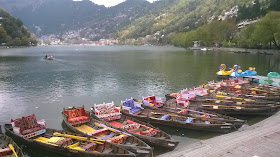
<point>256,78</point>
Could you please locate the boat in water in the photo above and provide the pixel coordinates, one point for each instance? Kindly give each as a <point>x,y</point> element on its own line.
<point>49,58</point>
<point>8,148</point>
<point>35,133</point>
<point>95,129</point>
<point>110,115</point>
<point>164,117</point>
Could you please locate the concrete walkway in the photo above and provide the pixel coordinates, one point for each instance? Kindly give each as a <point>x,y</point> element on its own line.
<point>259,140</point>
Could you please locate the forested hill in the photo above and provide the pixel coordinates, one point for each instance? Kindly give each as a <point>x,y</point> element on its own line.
<point>183,15</point>
<point>131,19</point>
<point>59,16</point>
<point>13,32</point>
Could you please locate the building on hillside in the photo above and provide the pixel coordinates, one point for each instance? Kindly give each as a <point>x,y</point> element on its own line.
<point>196,44</point>
<point>246,23</point>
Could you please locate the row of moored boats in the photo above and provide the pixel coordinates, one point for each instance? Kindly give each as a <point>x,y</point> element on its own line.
<point>125,130</point>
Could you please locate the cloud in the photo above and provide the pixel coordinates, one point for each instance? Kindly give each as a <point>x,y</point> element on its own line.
<point>109,3</point>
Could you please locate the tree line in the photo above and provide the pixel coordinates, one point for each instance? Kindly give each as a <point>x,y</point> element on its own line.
<point>13,32</point>
<point>263,34</point>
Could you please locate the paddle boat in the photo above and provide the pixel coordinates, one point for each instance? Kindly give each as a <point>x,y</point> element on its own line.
<point>223,71</point>
<point>236,73</point>
<point>251,71</point>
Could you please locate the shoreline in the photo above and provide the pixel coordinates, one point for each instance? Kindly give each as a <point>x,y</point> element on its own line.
<point>240,50</point>
<point>259,140</point>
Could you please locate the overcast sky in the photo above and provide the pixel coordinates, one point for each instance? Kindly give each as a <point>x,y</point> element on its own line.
<point>109,3</point>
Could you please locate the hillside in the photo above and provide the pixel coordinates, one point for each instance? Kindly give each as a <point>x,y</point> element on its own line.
<point>180,15</point>
<point>13,32</point>
<point>73,21</point>
<point>88,19</point>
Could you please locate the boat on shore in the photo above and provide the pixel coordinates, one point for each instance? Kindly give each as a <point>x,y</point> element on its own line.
<point>110,115</point>
<point>8,148</point>
<point>95,129</point>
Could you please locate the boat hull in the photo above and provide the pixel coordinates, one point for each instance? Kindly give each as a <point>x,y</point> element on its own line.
<point>146,151</point>
<point>152,141</point>
<point>224,128</point>
<point>7,140</point>
<point>62,150</point>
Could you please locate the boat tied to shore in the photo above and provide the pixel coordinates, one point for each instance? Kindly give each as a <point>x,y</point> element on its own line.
<point>35,133</point>
<point>110,115</point>
<point>8,148</point>
<point>95,129</point>
<point>164,117</point>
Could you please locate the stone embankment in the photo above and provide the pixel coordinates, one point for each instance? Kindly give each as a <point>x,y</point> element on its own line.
<point>259,140</point>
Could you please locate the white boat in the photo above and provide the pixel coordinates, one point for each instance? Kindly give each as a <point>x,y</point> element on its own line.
<point>203,49</point>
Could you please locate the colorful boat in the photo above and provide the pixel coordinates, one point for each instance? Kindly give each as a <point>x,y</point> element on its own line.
<point>110,115</point>
<point>35,133</point>
<point>164,117</point>
<point>235,72</point>
<point>8,148</point>
<point>95,129</point>
<point>223,71</point>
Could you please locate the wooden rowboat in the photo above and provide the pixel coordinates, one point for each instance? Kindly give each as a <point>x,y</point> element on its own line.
<point>96,129</point>
<point>70,144</point>
<point>8,147</point>
<point>144,131</point>
<point>182,121</point>
<point>239,109</point>
<point>173,107</point>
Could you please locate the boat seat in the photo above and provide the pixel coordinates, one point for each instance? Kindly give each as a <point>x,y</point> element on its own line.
<point>116,124</point>
<point>99,132</point>
<point>89,147</point>
<point>28,131</point>
<point>77,116</point>
<point>85,128</point>
<point>28,126</point>
<point>5,152</point>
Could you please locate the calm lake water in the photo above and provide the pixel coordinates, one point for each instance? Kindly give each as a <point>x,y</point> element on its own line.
<point>85,75</point>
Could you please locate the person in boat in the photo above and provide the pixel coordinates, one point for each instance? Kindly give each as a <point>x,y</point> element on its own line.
<point>46,56</point>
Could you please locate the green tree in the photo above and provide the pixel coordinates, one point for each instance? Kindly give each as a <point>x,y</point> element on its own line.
<point>268,29</point>
<point>17,41</point>
<point>3,35</point>
<point>274,5</point>
<point>24,41</point>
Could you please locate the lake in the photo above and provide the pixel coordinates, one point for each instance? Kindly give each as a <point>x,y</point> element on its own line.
<point>87,75</point>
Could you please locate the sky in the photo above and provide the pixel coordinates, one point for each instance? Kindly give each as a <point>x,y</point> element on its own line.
<point>109,3</point>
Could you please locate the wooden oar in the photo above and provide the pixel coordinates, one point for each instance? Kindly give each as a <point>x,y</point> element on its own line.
<point>256,89</point>
<point>224,106</point>
<point>79,138</point>
<point>13,149</point>
<point>111,129</point>
<point>222,96</point>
